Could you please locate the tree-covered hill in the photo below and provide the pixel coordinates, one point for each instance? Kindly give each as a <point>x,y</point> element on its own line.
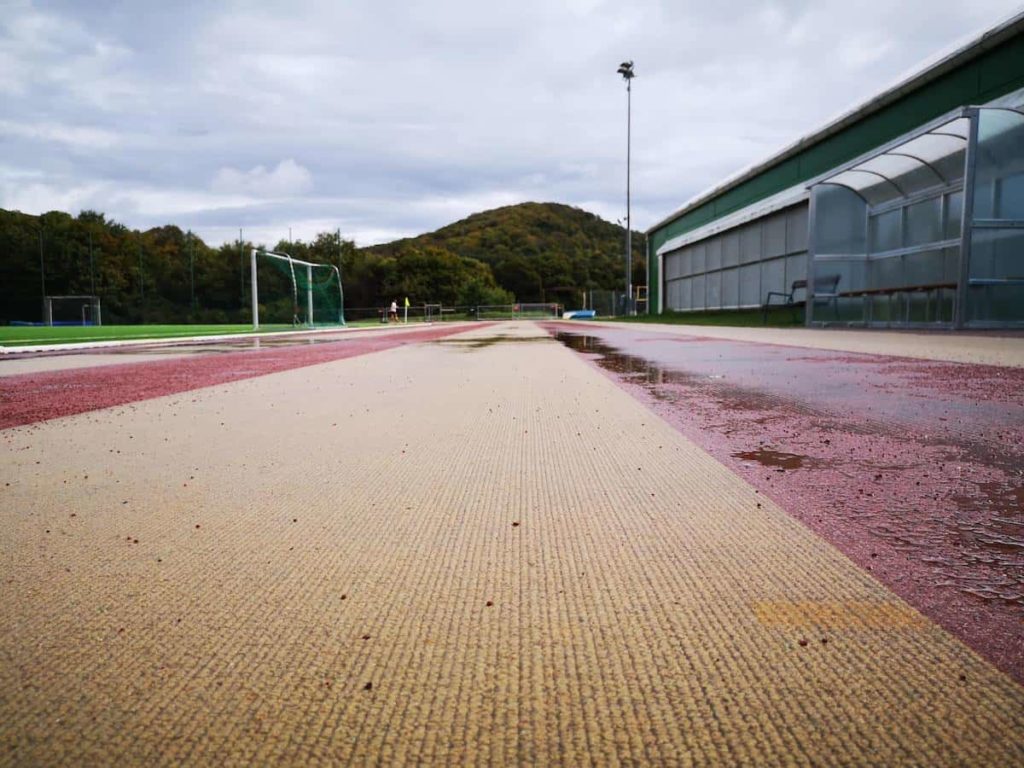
<point>539,251</point>
<point>526,252</point>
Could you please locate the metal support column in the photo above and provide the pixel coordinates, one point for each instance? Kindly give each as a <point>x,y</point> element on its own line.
<point>966,222</point>
<point>42,272</point>
<point>309,295</point>
<point>811,247</point>
<point>255,293</point>
<point>341,297</point>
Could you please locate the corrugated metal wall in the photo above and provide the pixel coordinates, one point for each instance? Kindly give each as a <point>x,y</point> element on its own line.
<point>739,267</point>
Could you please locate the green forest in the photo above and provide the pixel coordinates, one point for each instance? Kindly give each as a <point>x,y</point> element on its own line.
<point>519,253</point>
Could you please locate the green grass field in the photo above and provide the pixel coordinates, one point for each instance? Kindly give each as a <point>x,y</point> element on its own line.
<point>781,317</point>
<point>16,335</point>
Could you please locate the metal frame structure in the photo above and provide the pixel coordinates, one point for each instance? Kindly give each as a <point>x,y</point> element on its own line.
<point>94,301</point>
<point>295,298</point>
<point>964,183</point>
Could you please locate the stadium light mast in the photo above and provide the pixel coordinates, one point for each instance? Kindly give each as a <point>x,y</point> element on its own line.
<point>626,70</point>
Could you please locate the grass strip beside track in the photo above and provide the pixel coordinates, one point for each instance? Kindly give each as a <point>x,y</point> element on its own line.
<point>22,335</point>
<point>781,317</point>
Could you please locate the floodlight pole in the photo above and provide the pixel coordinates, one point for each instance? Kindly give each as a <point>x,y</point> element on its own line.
<point>626,70</point>
<point>629,220</point>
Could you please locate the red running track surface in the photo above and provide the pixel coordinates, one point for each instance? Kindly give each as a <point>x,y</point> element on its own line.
<point>33,397</point>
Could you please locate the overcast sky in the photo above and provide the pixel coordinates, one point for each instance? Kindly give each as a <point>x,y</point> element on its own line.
<point>387,119</point>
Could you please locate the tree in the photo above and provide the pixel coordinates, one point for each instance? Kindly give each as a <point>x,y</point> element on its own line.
<point>525,252</point>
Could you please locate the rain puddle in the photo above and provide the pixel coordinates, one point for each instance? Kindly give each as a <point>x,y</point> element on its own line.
<point>217,346</point>
<point>480,342</point>
<point>775,459</point>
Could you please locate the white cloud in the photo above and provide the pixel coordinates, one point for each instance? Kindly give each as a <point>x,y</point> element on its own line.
<point>30,193</point>
<point>76,136</point>
<point>286,180</point>
<point>413,115</point>
<point>41,51</point>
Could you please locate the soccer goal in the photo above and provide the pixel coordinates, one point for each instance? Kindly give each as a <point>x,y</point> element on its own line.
<point>72,310</point>
<point>299,292</point>
<point>433,313</point>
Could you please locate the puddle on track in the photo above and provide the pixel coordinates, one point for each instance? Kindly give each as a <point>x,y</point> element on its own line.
<point>481,342</point>
<point>775,459</point>
<point>188,347</point>
<point>931,501</point>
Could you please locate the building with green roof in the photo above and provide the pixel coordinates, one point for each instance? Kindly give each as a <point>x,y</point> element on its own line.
<point>905,211</point>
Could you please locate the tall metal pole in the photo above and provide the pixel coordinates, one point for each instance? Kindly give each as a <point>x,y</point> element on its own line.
<point>92,275</point>
<point>309,295</point>
<point>142,287</point>
<point>42,264</point>
<point>341,291</point>
<point>961,310</point>
<point>241,270</point>
<point>255,293</point>
<point>629,224</point>
<point>626,70</point>
<point>192,272</point>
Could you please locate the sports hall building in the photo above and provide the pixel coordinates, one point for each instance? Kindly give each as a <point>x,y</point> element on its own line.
<point>907,211</point>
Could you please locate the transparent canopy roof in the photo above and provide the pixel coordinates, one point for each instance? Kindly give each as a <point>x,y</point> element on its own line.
<point>931,159</point>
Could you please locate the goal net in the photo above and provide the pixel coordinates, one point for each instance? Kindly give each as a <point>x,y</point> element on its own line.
<point>295,292</point>
<point>72,310</point>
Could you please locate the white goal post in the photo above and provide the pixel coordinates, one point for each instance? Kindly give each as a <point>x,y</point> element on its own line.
<point>293,263</point>
<point>90,309</point>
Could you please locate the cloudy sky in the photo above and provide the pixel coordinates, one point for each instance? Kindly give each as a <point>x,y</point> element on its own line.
<point>387,119</point>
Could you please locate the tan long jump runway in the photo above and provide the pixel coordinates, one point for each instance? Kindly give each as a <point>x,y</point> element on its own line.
<point>448,553</point>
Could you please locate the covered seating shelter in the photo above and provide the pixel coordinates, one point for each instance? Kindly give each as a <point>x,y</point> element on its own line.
<point>927,230</point>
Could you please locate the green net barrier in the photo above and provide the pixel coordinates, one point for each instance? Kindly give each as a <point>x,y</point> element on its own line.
<point>298,293</point>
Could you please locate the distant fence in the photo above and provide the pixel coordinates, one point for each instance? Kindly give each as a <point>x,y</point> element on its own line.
<point>605,303</point>
<point>415,313</point>
<point>546,311</point>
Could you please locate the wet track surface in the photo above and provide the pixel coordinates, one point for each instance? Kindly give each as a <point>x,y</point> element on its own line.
<point>196,345</point>
<point>914,469</point>
<point>26,398</point>
<point>468,550</point>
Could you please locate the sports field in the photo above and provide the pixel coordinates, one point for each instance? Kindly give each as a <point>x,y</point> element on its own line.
<point>508,543</point>
<point>19,336</point>
<point>24,335</point>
